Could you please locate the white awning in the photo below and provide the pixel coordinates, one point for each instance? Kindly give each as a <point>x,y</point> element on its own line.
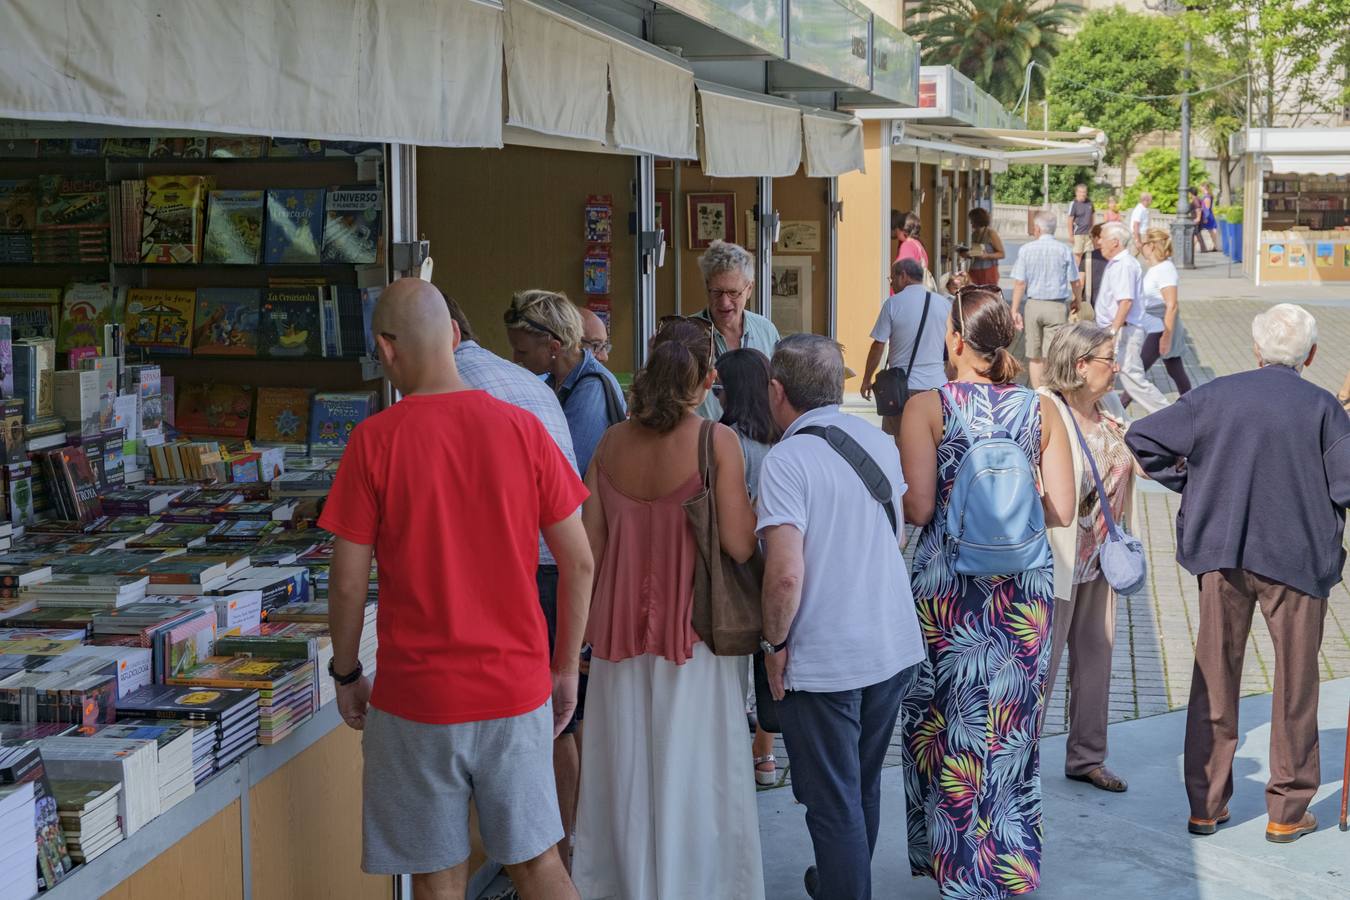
<point>1308,164</point>
<point>1003,146</point>
<point>557,74</point>
<point>745,135</point>
<point>374,70</point>
<point>834,144</point>
<point>653,104</point>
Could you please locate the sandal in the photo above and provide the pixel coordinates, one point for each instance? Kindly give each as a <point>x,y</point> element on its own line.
<point>769,777</point>
<point>1103,779</point>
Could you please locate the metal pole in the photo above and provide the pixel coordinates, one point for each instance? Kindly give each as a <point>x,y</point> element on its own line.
<point>1183,233</point>
<point>1045,172</point>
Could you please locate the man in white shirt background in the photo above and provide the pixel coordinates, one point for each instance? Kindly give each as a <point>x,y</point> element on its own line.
<point>898,326</point>
<point>1141,217</point>
<point>1120,309</point>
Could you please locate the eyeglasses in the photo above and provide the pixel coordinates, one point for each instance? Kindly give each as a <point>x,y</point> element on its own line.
<point>597,346</point>
<point>515,317</point>
<point>716,294</point>
<point>1109,360</point>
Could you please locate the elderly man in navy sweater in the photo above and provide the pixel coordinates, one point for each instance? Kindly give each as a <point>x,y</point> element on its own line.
<point>1262,462</point>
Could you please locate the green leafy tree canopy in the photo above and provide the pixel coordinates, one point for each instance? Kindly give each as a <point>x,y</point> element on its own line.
<point>1160,175</point>
<point>1023,185</point>
<point>1116,57</point>
<point>991,41</point>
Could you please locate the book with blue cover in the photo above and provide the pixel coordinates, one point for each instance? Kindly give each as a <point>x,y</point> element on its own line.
<point>227,322</point>
<point>289,323</point>
<point>294,225</point>
<point>351,232</point>
<point>333,417</point>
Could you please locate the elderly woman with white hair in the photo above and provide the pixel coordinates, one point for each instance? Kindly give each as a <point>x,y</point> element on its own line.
<point>729,277</point>
<point>1262,462</point>
<point>1120,307</point>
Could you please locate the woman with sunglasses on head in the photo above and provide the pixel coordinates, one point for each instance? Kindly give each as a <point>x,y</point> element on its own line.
<point>745,376</point>
<point>545,330</point>
<point>1080,374</point>
<point>972,722</point>
<point>667,807</point>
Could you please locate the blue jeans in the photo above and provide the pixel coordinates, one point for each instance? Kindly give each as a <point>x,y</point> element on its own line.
<point>836,744</point>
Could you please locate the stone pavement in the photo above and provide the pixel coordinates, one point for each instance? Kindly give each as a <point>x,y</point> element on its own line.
<point>1155,629</point>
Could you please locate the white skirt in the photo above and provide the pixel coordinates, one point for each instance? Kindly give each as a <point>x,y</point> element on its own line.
<point>667,803</point>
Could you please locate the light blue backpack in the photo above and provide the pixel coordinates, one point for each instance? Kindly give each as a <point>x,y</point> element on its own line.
<point>995,523</point>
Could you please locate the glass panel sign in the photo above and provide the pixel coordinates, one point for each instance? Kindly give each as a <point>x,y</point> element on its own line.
<point>758,23</point>
<point>831,38</point>
<point>895,63</point>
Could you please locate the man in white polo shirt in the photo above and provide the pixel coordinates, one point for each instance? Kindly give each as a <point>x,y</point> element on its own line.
<point>840,632</point>
<point>1120,308</point>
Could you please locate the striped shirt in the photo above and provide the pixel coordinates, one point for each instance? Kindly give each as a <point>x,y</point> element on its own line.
<point>510,383</point>
<point>1047,268</point>
<point>758,333</point>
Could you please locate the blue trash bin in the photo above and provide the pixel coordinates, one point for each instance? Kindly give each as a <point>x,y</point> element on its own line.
<point>1235,235</point>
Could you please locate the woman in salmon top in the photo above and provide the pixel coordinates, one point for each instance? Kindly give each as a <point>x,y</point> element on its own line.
<point>667,804</point>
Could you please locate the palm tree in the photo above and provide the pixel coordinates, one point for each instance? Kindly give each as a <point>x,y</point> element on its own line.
<point>991,41</point>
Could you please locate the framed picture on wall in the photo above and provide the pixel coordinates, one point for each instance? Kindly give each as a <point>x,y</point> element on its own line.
<point>791,303</point>
<point>664,199</point>
<point>712,217</point>
<point>751,239</point>
<point>799,237</point>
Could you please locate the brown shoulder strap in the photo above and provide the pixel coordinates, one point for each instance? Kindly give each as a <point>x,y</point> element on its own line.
<point>707,465</point>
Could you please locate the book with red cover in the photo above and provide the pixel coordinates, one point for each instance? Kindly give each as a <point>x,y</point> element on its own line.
<point>77,483</point>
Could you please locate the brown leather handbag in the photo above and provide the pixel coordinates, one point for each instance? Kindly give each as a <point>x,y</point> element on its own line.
<point>726,612</point>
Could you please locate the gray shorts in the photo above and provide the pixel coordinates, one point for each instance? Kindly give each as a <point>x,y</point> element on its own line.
<point>418,780</point>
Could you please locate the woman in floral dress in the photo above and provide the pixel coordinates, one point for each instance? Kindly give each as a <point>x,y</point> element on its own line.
<point>972,723</point>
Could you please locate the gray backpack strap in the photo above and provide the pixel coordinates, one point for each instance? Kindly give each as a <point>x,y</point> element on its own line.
<point>875,480</point>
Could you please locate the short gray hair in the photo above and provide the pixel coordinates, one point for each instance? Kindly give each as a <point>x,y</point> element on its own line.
<point>1118,231</point>
<point>1046,222</point>
<point>724,256</point>
<point>810,367</point>
<point>911,268</point>
<point>1284,335</point>
<point>1071,344</point>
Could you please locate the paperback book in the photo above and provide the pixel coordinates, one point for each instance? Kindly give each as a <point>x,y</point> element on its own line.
<point>161,320</point>
<point>294,225</point>
<point>171,225</point>
<point>219,410</point>
<point>351,232</point>
<point>226,322</point>
<point>283,415</point>
<point>85,310</point>
<point>334,416</point>
<point>234,227</point>
<point>289,323</point>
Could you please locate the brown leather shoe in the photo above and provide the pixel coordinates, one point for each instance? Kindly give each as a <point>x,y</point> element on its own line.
<point>1287,834</point>
<point>1207,826</point>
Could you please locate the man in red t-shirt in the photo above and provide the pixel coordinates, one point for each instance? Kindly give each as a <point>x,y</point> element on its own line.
<point>449,489</point>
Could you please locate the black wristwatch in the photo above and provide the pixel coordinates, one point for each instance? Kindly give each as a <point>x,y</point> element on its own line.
<point>771,649</point>
<point>344,680</point>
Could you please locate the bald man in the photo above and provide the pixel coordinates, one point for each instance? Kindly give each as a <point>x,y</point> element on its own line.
<point>594,335</point>
<point>451,488</point>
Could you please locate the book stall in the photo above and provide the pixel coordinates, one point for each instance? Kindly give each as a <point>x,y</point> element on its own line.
<point>1296,204</point>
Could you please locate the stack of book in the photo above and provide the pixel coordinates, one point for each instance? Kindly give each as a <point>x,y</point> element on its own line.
<point>132,764</point>
<point>18,851</point>
<point>26,764</point>
<point>285,689</point>
<point>231,712</point>
<point>289,640</point>
<point>316,613</point>
<point>88,811</point>
<point>75,690</point>
<point>177,636</point>
<point>175,743</point>
<point>90,591</point>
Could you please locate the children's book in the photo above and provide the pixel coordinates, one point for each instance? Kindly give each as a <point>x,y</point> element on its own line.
<point>178,148</point>
<point>289,323</point>
<point>220,410</point>
<point>334,416</point>
<point>351,231</point>
<point>160,320</point>
<point>71,201</point>
<point>85,309</point>
<point>234,227</point>
<point>32,311</point>
<point>295,147</point>
<point>18,204</point>
<point>283,415</point>
<point>236,147</point>
<point>171,225</point>
<point>294,225</point>
<point>227,322</point>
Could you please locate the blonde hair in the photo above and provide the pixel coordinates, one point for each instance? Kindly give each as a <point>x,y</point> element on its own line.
<point>1070,345</point>
<point>547,313</point>
<point>1161,241</point>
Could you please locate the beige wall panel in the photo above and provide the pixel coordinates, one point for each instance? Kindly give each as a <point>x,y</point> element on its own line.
<point>204,865</point>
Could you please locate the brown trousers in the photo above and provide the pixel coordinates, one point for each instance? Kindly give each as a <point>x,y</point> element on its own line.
<point>1228,599</point>
<point>1088,625</point>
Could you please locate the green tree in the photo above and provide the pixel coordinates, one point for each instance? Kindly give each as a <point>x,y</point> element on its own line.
<point>991,41</point>
<point>1102,70</point>
<point>1022,185</point>
<point>1220,112</point>
<point>1160,175</point>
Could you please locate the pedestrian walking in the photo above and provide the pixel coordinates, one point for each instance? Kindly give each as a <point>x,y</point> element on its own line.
<point>972,723</point>
<point>1208,222</point>
<point>484,370</point>
<point>667,805</point>
<point>1046,277</point>
<point>1082,216</point>
<point>744,376</point>
<point>911,325</point>
<point>453,487</point>
<point>729,277</point>
<point>986,249</point>
<point>1270,537</point>
<point>840,633</point>
<point>906,230</point>
<point>1080,375</point>
<point>1164,334</point>
<point>1092,266</point>
<point>545,331</point>
<point>1196,210</point>
<point>1112,213</point>
<point>1120,309</point>
<point>1141,217</point>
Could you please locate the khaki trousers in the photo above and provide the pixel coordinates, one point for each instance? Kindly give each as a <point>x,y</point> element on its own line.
<point>1228,599</point>
<point>1088,625</point>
